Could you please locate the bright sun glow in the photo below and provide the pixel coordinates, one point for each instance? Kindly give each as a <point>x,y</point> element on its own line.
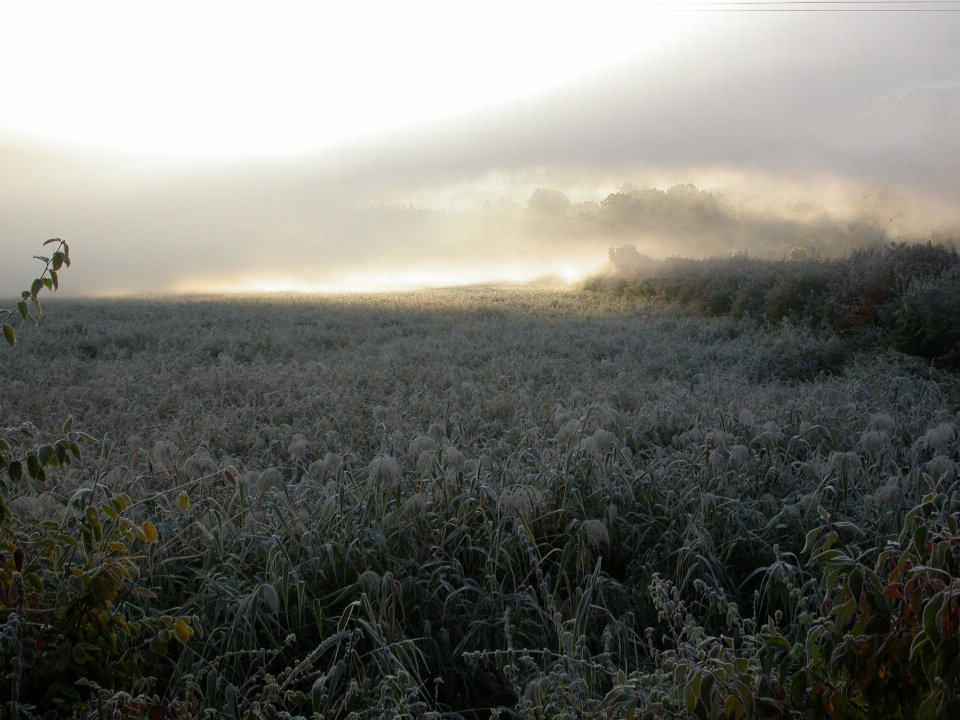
<point>360,281</point>
<point>217,79</point>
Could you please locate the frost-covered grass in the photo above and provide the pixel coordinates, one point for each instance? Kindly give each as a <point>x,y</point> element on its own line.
<point>463,500</point>
<point>906,296</point>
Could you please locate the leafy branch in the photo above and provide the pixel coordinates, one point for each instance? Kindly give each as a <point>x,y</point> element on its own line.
<point>48,279</point>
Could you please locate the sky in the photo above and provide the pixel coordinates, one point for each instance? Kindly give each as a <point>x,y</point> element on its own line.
<point>329,146</point>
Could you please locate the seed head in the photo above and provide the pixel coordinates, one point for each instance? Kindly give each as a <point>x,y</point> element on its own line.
<point>594,533</point>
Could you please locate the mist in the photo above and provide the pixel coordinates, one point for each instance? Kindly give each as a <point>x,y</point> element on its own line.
<point>823,132</point>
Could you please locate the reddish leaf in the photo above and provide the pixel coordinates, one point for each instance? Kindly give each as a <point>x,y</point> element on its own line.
<point>893,591</point>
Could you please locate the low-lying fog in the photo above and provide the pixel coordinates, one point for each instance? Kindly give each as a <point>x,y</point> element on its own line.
<point>824,132</point>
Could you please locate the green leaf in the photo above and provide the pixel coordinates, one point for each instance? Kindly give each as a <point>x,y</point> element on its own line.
<point>9,335</point>
<point>15,470</point>
<point>159,647</point>
<point>316,693</point>
<point>706,686</point>
<point>80,655</point>
<point>928,708</point>
<point>67,425</point>
<point>338,671</point>
<point>776,641</point>
<point>36,287</point>
<point>34,581</point>
<point>54,280</point>
<point>47,283</point>
<point>855,582</point>
<point>835,557</point>
<point>58,258</point>
<point>231,695</point>
<point>87,534</point>
<point>93,517</point>
<point>45,454</point>
<point>68,540</point>
<point>60,450</point>
<point>23,309</point>
<point>318,614</point>
<point>52,240</point>
<point>34,468</point>
<point>812,537</point>
<point>920,540</point>
<point>931,616</point>
<point>583,611</point>
<point>798,685</point>
<point>947,658</point>
<point>211,685</point>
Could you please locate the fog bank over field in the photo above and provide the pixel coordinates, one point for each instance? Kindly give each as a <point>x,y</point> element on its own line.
<point>816,134</point>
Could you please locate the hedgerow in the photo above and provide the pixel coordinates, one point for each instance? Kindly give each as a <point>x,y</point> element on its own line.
<point>903,295</point>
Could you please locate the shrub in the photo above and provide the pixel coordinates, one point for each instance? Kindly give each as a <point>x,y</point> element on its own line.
<point>888,643</point>
<point>927,320</point>
<point>74,607</point>
<point>904,295</point>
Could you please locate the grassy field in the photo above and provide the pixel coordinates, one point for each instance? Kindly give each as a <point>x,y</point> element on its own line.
<point>482,502</point>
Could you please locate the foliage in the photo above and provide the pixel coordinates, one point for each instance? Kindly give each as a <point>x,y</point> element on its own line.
<point>904,295</point>
<point>883,643</point>
<point>73,609</point>
<point>48,279</point>
<point>925,319</point>
<point>487,502</point>
<point>889,643</point>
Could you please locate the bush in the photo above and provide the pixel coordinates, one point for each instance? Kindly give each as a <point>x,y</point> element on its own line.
<point>888,644</point>
<point>74,598</point>
<point>904,295</point>
<point>927,320</point>
<point>75,605</point>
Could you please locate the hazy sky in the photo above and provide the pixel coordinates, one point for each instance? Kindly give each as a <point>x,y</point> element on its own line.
<point>246,145</point>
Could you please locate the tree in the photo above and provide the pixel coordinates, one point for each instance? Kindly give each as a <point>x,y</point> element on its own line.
<point>628,261</point>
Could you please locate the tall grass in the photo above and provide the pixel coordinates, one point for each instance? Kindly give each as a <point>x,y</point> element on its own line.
<point>524,503</point>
